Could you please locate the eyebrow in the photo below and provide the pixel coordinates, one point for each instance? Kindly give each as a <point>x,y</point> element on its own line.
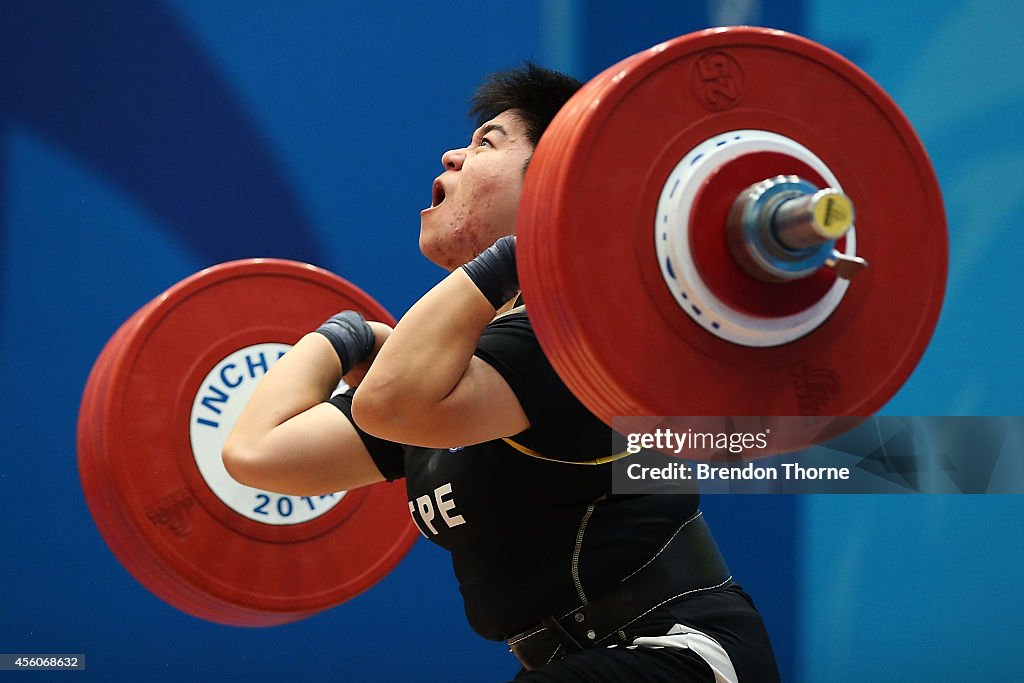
<point>493,127</point>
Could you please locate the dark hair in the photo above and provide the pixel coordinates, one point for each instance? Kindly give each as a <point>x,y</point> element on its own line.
<point>535,93</point>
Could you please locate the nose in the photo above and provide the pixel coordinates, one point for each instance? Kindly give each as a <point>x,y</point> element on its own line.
<point>453,158</point>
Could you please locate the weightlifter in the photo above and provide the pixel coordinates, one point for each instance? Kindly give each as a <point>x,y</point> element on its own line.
<point>460,400</point>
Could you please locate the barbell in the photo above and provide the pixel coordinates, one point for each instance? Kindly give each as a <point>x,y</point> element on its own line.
<point>656,281</point>
<point>157,407</point>
<point>734,223</point>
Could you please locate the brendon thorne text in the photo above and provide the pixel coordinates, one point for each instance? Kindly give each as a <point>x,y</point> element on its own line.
<point>702,471</point>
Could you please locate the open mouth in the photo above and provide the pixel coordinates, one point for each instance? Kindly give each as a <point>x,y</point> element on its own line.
<point>436,194</point>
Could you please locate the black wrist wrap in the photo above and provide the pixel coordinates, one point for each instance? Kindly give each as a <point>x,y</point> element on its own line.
<point>494,271</point>
<point>351,337</point>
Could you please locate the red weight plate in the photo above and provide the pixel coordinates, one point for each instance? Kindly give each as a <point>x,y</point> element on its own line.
<point>155,411</point>
<point>587,258</point>
<point>106,509</point>
<point>90,426</point>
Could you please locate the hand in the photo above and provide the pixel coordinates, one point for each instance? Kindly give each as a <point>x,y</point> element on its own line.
<point>381,332</point>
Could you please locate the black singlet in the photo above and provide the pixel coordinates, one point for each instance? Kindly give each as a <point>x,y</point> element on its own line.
<point>528,537</point>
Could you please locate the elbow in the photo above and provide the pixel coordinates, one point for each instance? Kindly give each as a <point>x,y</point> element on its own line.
<point>244,464</point>
<point>382,414</point>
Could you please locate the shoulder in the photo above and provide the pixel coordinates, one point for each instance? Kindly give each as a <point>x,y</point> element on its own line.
<point>561,427</point>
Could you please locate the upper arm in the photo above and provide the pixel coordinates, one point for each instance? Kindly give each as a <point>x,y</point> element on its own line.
<point>481,407</point>
<point>509,389</point>
<point>317,451</point>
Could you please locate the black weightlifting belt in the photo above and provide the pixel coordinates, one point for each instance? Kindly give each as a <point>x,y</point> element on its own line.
<point>689,563</point>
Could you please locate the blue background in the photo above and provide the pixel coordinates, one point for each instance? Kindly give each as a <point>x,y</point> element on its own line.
<point>142,141</point>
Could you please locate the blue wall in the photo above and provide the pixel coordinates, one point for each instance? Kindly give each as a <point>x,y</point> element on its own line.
<point>143,141</point>
<point>928,588</point>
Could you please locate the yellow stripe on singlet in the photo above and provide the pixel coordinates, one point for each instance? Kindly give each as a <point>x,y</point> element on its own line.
<point>585,461</point>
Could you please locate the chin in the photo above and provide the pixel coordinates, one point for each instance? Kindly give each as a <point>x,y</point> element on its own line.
<point>438,255</point>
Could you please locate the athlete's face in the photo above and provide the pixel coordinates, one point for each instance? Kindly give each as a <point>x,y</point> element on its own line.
<point>474,201</point>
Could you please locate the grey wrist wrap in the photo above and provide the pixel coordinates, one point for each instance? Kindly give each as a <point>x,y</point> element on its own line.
<point>351,337</point>
<point>494,271</point>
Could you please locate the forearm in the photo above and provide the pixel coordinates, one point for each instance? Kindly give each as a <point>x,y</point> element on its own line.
<point>288,440</point>
<point>301,379</point>
<point>431,348</point>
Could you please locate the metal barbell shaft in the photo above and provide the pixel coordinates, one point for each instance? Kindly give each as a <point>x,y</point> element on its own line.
<point>785,228</point>
<point>809,220</point>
